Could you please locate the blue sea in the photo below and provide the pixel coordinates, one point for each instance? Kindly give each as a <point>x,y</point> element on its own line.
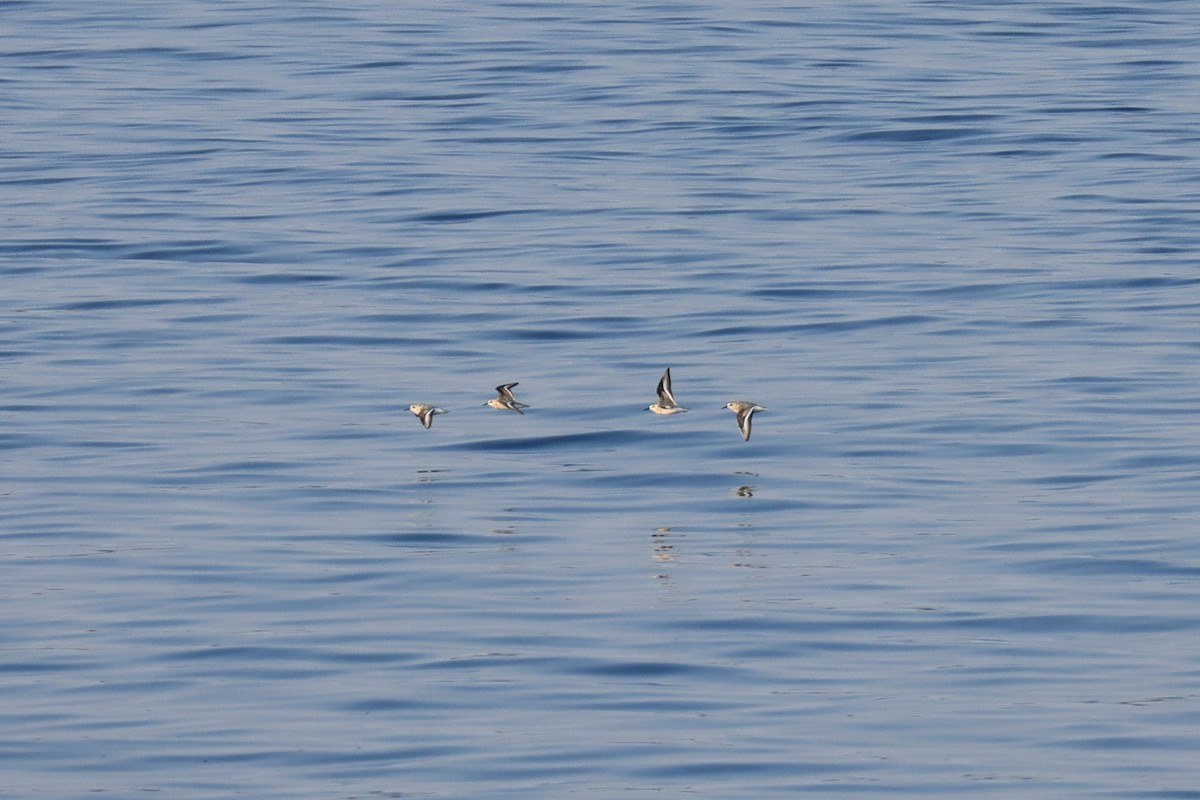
<point>953,247</point>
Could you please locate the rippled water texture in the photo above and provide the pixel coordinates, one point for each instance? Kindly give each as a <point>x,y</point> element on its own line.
<point>952,247</point>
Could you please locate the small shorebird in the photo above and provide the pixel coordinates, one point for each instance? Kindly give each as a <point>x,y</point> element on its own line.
<point>425,412</point>
<point>506,399</point>
<point>744,410</point>
<point>666,401</point>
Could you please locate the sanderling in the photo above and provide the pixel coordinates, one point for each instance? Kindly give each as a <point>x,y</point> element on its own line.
<point>506,399</point>
<point>744,410</point>
<point>666,401</point>
<point>425,412</point>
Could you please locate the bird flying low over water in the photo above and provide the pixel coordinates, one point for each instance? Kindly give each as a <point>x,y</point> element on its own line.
<point>745,412</point>
<point>425,412</point>
<point>506,399</point>
<point>666,401</point>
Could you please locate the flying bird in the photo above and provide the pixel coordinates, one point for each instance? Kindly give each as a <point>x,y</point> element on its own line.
<point>425,412</point>
<point>506,399</point>
<point>666,401</point>
<point>745,412</point>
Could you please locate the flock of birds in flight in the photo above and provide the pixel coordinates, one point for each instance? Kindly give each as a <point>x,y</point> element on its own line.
<point>506,401</point>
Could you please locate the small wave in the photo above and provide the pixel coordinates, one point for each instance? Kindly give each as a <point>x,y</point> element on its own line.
<point>571,441</point>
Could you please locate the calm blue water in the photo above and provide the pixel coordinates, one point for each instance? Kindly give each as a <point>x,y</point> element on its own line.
<point>951,246</point>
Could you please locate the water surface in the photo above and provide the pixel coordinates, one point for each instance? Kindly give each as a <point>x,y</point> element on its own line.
<point>951,247</point>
